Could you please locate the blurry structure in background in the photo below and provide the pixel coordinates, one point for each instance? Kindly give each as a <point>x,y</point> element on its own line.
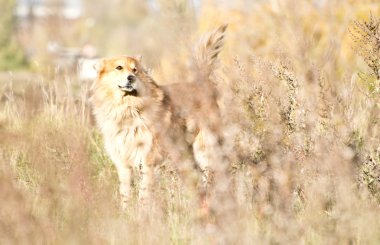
<point>29,9</point>
<point>46,30</point>
<point>86,63</point>
<point>86,69</point>
<point>67,58</point>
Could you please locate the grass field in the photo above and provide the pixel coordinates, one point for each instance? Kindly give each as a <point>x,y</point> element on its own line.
<point>300,92</point>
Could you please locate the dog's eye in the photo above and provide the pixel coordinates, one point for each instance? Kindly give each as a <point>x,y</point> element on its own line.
<point>119,68</point>
<point>134,69</point>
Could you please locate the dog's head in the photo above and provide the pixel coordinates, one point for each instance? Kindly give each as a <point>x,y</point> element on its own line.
<point>121,75</point>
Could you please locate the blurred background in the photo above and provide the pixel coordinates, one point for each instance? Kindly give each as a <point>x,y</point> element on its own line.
<point>40,33</point>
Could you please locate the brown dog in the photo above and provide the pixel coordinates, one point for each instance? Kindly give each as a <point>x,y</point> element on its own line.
<point>141,120</point>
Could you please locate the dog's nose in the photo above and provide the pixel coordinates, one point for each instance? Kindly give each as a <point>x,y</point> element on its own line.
<point>131,78</point>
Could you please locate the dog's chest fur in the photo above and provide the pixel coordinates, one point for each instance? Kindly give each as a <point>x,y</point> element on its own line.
<point>128,138</point>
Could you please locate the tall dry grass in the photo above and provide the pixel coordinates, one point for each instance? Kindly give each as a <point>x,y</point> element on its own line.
<point>300,109</point>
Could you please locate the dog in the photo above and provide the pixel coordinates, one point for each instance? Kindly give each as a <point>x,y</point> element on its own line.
<point>143,123</point>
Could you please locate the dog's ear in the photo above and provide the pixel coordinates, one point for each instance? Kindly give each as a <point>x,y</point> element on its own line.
<point>138,57</point>
<point>99,65</point>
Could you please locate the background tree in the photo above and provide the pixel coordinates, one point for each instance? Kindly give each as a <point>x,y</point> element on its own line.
<point>11,56</point>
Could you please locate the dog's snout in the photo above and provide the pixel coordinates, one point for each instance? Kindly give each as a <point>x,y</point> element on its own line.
<point>131,78</point>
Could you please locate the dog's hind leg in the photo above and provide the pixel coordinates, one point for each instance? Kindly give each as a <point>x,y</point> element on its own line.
<point>202,158</point>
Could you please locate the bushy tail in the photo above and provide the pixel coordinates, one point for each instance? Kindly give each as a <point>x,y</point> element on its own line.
<point>207,50</point>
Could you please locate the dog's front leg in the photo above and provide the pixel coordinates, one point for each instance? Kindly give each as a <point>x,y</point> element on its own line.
<point>125,178</point>
<point>146,184</point>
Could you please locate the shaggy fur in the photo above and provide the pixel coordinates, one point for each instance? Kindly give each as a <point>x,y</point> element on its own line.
<point>139,120</point>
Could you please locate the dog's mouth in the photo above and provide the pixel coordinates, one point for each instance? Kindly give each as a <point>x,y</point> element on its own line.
<point>128,90</point>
